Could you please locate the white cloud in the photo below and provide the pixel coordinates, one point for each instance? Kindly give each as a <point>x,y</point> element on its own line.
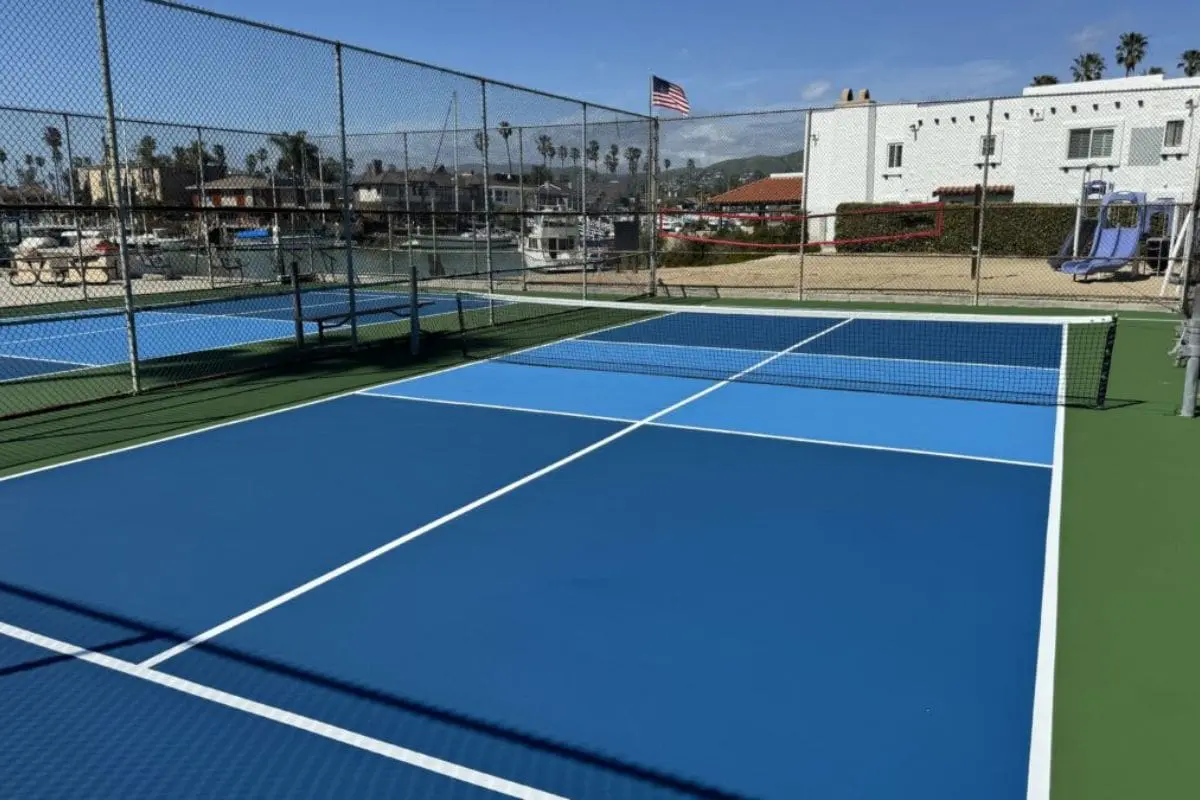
<point>815,90</point>
<point>1087,37</point>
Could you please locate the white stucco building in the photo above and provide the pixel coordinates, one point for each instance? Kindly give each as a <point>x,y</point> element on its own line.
<point>1138,134</point>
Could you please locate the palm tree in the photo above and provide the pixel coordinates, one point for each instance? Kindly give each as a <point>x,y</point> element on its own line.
<point>482,142</point>
<point>53,138</point>
<point>1044,80</point>
<point>632,156</point>
<point>506,131</point>
<point>220,160</point>
<point>1189,62</point>
<point>666,165</point>
<point>41,169</point>
<point>612,160</point>
<point>251,164</point>
<point>563,152</point>
<point>592,154</point>
<point>1131,50</point>
<point>297,155</point>
<point>262,157</point>
<point>3,167</point>
<point>1155,71</point>
<point>1088,67</point>
<point>146,151</point>
<point>546,149</point>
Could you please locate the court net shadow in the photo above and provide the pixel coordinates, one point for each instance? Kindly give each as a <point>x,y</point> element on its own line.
<point>517,755</point>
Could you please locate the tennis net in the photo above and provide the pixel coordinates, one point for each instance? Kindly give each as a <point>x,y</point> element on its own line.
<point>1042,360</point>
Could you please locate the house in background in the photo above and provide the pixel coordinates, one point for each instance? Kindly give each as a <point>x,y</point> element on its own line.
<point>250,191</point>
<point>156,184</point>
<point>1138,134</point>
<point>778,193</point>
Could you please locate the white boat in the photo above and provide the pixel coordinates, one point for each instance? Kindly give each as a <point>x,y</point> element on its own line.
<point>161,239</point>
<point>552,243</point>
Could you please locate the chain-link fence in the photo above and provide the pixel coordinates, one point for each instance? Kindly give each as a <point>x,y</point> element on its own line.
<point>1067,199</point>
<point>167,215</point>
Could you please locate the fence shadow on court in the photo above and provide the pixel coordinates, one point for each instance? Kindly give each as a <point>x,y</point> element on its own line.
<point>608,775</point>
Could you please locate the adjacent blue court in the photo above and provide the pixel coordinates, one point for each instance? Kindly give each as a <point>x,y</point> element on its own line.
<point>513,579</point>
<point>44,346</point>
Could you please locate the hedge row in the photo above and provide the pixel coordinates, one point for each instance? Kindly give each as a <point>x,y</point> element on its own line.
<point>1010,229</point>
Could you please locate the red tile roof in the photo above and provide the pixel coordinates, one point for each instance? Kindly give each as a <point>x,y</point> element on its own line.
<point>768,191</point>
<point>955,191</point>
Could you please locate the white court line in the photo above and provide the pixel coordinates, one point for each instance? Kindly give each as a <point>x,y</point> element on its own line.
<point>828,355</point>
<point>495,407</point>
<point>782,437</point>
<point>1038,787</point>
<point>281,716</point>
<point>51,360</point>
<point>337,572</point>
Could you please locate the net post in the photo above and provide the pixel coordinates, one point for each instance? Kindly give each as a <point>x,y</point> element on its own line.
<point>462,323</point>
<point>297,304</point>
<point>1110,343</point>
<point>119,197</point>
<point>347,221</point>
<point>808,140</point>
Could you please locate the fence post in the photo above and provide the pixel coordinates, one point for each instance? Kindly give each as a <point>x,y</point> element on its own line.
<point>74,206</point>
<point>521,207</point>
<point>203,194</point>
<point>987,153</point>
<point>1191,306</point>
<point>347,221</point>
<point>122,209</point>
<point>808,140</point>
<point>583,220</point>
<point>414,313</point>
<point>653,203</point>
<point>487,201</point>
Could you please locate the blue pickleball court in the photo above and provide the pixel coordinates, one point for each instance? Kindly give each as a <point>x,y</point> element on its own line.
<point>523,577</point>
<point>49,345</point>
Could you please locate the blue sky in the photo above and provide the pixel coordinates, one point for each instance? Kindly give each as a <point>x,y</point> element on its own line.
<point>769,54</point>
<point>735,56</point>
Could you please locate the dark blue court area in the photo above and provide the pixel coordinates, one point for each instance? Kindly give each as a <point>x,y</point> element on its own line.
<point>506,579</point>
<point>52,344</point>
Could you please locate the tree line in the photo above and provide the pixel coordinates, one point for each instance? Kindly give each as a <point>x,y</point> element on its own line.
<point>1130,53</point>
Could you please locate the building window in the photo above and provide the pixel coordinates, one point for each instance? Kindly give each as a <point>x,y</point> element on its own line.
<point>1173,136</point>
<point>895,155</point>
<point>1091,143</point>
<point>987,146</point>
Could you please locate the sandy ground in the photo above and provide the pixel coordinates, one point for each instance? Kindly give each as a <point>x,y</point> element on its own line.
<point>898,278</point>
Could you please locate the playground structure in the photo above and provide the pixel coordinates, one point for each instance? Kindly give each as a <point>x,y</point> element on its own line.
<point>1124,229</point>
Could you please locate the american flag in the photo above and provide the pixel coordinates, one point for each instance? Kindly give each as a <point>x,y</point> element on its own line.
<point>665,94</point>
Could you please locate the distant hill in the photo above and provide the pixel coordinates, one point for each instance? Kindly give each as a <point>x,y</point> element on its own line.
<point>792,162</point>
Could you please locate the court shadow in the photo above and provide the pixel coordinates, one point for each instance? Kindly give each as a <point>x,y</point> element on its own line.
<point>411,722</point>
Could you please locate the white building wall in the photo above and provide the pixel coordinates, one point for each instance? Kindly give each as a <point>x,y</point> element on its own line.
<point>942,145</point>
